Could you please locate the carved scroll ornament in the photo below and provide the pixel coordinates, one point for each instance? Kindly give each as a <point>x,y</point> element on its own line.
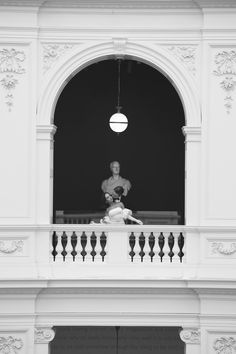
<point>10,64</point>
<point>15,246</point>
<point>225,345</point>
<point>44,335</point>
<point>10,345</point>
<point>220,247</point>
<point>52,52</point>
<point>190,336</point>
<point>226,68</point>
<point>187,55</point>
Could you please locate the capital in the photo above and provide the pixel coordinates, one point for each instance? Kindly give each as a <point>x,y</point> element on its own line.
<point>43,335</point>
<point>190,335</point>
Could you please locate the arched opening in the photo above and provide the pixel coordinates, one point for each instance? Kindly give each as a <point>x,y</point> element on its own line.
<point>150,151</point>
<point>117,340</point>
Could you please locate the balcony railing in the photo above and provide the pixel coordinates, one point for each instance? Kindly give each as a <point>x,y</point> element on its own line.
<point>95,246</point>
<point>114,252</point>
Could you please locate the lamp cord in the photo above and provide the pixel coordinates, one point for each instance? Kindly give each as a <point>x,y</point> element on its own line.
<point>118,97</point>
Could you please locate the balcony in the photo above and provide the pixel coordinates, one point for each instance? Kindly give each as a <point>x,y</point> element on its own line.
<point>114,252</point>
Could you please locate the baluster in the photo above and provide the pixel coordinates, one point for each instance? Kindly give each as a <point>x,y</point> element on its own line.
<point>73,244</point>
<point>132,244</point>
<point>181,243</point>
<point>171,241</point>
<point>88,247</point>
<point>64,244</point>
<point>98,248</point>
<point>146,248</point>
<point>79,248</point>
<point>103,243</point>
<point>151,241</point>
<point>69,247</point>
<point>161,243</point>
<point>156,248</point>
<point>54,245</point>
<point>136,248</point>
<point>175,248</point>
<point>59,257</point>
<point>166,248</point>
<point>93,241</point>
<point>83,245</point>
<point>141,245</point>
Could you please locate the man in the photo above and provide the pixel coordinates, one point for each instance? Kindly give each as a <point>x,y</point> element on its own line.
<point>115,180</point>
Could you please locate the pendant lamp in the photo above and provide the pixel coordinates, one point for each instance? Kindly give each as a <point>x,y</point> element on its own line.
<point>118,121</point>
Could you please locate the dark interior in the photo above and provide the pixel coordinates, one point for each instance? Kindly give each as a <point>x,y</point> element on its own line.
<point>150,151</point>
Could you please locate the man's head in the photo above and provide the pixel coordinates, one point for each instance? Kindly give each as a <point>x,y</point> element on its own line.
<point>115,167</point>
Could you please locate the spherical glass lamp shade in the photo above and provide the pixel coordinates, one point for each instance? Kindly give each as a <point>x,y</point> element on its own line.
<point>118,122</point>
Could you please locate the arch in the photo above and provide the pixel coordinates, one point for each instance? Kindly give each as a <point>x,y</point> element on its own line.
<point>152,55</point>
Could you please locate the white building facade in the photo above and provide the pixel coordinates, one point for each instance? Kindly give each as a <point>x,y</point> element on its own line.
<point>46,282</point>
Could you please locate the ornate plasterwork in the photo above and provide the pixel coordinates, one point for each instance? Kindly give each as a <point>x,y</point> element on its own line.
<point>223,248</point>
<point>10,345</point>
<point>11,64</point>
<point>44,335</point>
<point>15,246</point>
<point>187,55</point>
<point>52,52</point>
<point>226,68</point>
<point>190,336</point>
<point>225,345</point>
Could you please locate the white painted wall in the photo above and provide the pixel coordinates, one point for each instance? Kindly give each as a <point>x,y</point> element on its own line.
<point>45,48</point>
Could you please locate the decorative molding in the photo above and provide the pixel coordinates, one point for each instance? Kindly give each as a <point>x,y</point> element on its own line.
<point>46,132</point>
<point>222,248</point>
<point>192,134</point>
<point>119,45</point>
<point>190,336</point>
<point>124,4</point>
<point>225,345</point>
<point>44,335</point>
<point>10,345</point>
<point>15,246</point>
<point>52,52</point>
<point>11,63</point>
<point>187,55</point>
<point>226,67</point>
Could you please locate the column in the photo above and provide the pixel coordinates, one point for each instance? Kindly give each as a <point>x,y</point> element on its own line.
<point>191,338</point>
<point>45,134</point>
<point>43,336</point>
<point>192,174</point>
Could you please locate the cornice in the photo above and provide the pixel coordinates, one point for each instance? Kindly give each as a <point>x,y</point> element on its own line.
<point>122,3</point>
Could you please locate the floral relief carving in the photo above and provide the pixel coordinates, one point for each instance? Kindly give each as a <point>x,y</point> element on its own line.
<point>44,335</point>
<point>52,52</point>
<point>190,336</point>
<point>226,67</point>
<point>225,345</point>
<point>10,345</point>
<point>11,64</point>
<point>220,247</point>
<point>187,55</point>
<point>15,246</point>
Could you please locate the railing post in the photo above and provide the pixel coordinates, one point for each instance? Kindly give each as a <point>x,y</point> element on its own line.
<point>43,253</point>
<point>117,247</point>
<point>192,248</point>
